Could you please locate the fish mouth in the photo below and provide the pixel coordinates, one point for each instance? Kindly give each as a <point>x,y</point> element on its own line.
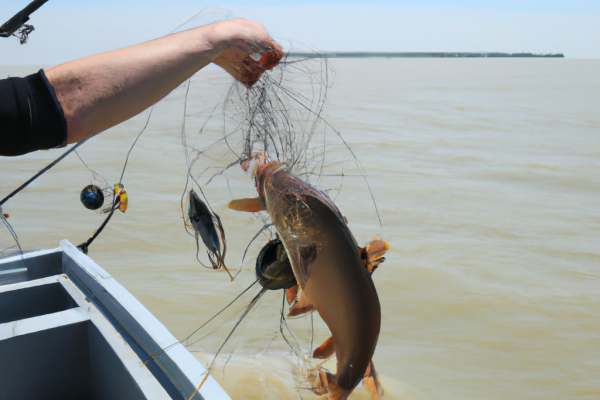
<point>254,162</point>
<point>245,164</point>
<point>257,163</point>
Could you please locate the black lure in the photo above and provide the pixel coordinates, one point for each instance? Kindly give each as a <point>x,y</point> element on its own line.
<point>92,197</point>
<point>273,267</point>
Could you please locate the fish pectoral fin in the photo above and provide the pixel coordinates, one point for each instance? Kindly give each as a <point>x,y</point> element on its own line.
<point>247,205</point>
<point>372,383</point>
<point>296,310</point>
<point>301,306</point>
<point>325,350</point>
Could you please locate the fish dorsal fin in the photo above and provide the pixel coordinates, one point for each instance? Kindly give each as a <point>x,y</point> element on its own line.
<point>325,350</point>
<point>247,205</point>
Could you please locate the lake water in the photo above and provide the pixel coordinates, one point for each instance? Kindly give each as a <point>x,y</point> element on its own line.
<point>486,173</point>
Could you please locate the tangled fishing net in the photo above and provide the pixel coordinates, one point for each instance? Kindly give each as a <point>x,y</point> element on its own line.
<point>283,116</point>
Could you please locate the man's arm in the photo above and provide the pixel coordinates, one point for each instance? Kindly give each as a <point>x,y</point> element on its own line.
<point>101,91</point>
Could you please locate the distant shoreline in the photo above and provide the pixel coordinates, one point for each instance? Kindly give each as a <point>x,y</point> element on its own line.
<point>369,54</point>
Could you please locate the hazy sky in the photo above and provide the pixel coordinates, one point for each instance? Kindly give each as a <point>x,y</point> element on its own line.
<point>69,29</point>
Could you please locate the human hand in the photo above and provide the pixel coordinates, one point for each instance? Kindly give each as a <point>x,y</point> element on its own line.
<point>248,50</point>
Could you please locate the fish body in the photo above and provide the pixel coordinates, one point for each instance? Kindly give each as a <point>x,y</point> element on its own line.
<point>205,224</point>
<point>329,270</point>
<point>202,222</point>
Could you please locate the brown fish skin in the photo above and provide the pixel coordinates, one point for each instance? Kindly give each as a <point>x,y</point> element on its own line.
<point>329,270</point>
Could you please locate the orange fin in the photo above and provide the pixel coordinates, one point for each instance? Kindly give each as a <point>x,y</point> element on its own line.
<point>291,294</point>
<point>325,350</point>
<point>295,310</point>
<point>326,383</point>
<point>248,205</point>
<point>371,382</point>
<point>301,306</point>
<point>373,253</point>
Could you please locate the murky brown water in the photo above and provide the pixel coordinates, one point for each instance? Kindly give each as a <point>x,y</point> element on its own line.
<point>487,176</point>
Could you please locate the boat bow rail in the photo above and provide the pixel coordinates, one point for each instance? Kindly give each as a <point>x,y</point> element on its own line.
<point>69,330</point>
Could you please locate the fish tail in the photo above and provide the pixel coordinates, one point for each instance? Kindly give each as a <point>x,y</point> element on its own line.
<point>222,264</point>
<point>372,383</point>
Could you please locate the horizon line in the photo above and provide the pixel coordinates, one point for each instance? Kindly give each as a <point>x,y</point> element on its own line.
<point>415,54</point>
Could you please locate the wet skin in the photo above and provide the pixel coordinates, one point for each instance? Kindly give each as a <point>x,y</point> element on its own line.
<point>329,271</point>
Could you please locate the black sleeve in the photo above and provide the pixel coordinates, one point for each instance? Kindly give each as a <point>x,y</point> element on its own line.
<point>31,117</point>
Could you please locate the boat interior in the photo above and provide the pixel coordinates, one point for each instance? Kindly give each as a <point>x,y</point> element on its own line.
<point>68,330</point>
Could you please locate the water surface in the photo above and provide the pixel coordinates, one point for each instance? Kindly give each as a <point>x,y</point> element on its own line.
<point>486,173</point>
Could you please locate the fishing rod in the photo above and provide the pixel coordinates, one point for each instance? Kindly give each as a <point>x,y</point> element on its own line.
<point>17,22</point>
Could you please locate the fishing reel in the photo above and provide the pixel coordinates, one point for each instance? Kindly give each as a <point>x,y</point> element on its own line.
<point>273,267</point>
<point>93,198</point>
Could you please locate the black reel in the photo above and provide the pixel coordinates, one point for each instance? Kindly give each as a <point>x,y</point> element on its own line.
<point>273,267</point>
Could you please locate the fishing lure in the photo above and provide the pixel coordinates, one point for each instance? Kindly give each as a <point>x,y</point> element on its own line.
<point>93,198</point>
<point>120,202</point>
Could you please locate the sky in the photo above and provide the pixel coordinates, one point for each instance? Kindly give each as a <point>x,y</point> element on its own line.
<point>71,29</point>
